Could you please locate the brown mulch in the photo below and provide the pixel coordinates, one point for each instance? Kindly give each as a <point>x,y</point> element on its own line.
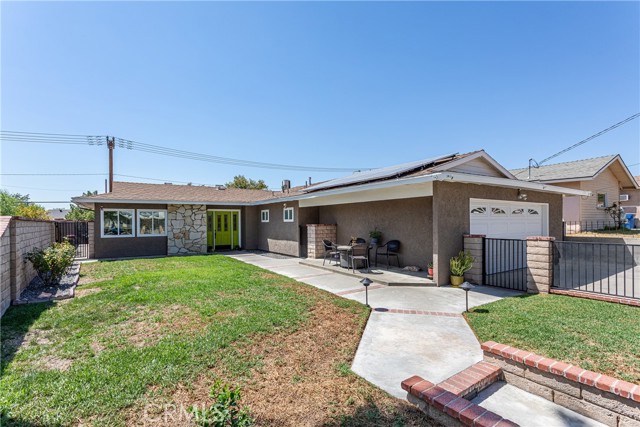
<point>303,379</point>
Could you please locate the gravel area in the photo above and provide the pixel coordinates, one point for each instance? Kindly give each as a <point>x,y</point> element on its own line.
<point>37,292</point>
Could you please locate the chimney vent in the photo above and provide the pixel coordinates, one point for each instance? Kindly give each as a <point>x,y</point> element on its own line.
<point>286,185</point>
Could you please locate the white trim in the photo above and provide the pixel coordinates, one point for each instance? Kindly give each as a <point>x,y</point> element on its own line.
<point>239,225</point>
<point>480,154</point>
<point>262,216</point>
<point>284,214</point>
<point>118,236</point>
<point>166,222</point>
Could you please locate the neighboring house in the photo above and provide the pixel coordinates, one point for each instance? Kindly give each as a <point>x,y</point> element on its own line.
<point>58,213</point>
<point>630,199</point>
<point>428,205</point>
<point>607,178</point>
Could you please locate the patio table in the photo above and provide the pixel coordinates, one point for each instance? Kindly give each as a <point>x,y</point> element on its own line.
<point>344,250</point>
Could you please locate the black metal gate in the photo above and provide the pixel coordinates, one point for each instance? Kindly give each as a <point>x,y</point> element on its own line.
<point>505,263</point>
<point>76,233</point>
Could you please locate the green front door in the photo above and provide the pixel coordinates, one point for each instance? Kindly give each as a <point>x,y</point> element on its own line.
<point>222,230</point>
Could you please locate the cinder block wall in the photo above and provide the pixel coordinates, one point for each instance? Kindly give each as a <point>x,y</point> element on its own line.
<point>5,264</point>
<point>23,235</point>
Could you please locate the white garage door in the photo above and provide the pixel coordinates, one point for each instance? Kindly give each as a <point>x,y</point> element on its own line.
<point>508,220</point>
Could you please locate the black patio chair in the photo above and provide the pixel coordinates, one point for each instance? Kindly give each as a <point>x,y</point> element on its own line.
<point>389,249</point>
<point>330,251</point>
<point>359,253</point>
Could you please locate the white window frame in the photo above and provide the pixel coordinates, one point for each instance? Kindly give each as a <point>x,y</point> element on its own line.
<point>166,220</point>
<point>605,203</point>
<point>284,215</point>
<point>263,217</point>
<point>110,236</point>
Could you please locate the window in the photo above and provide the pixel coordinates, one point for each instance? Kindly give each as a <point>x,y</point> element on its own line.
<point>117,223</point>
<point>288,214</point>
<point>152,223</point>
<point>479,211</point>
<point>264,215</point>
<point>601,201</point>
<point>498,211</point>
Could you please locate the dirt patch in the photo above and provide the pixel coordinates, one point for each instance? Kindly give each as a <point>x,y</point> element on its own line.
<point>304,380</point>
<point>150,326</point>
<point>84,292</point>
<point>55,363</point>
<point>85,280</point>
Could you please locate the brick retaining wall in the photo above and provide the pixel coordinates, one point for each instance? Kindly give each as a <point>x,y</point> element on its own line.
<point>316,233</point>
<point>608,400</point>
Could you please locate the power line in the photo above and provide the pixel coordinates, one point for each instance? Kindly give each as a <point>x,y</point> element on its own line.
<point>74,139</point>
<point>602,132</point>
<point>52,174</point>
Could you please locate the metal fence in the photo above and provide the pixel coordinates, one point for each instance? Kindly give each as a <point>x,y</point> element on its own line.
<point>76,233</point>
<point>603,268</point>
<point>575,227</point>
<point>505,263</point>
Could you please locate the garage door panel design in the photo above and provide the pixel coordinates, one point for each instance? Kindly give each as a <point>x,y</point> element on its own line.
<point>510,220</point>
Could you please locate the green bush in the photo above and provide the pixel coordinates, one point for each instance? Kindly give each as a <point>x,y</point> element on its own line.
<point>226,411</point>
<point>52,263</point>
<point>461,263</point>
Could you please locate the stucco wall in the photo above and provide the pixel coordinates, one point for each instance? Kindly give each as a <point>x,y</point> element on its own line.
<point>276,235</point>
<point>122,247</point>
<point>250,219</point>
<point>406,220</point>
<point>19,237</point>
<point>451,217</point>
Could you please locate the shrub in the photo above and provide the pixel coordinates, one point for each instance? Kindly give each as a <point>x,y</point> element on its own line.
<point>226,411</point>
<point>461,263</point>
<point>52,263</point>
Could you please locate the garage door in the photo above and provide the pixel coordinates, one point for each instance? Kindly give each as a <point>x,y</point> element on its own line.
<point>508,220</point>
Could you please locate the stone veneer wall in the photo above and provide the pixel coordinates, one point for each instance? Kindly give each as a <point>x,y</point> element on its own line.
<point>20,236</point>
<point>187,233</point>
<point>316,233</point>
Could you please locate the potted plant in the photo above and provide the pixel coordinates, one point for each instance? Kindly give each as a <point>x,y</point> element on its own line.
<point>375,236</point>
<point>430,270</point>
<point>459,265</point>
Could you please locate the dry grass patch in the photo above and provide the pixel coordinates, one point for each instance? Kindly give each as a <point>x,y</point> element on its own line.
<point>302,379</point>
<point>79,293</point>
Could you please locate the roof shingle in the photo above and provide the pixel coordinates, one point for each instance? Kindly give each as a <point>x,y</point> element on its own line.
<point>577,169</point>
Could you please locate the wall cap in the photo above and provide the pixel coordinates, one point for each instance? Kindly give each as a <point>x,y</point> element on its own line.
<point>474,236</point>
<point>542,238</point>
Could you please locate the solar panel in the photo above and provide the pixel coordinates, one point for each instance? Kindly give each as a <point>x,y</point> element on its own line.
<point>376,174</point>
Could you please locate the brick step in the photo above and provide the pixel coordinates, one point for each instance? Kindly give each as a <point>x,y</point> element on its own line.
<point>471,381</point>
<point>448,408</point>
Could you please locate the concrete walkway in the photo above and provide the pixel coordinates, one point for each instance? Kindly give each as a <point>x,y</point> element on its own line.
<point>419,331</point>
<point>398,342</point>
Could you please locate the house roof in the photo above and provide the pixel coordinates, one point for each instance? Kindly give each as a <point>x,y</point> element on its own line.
<point>132,192</point>
<point>428,170</point>
<point>579,170</point>
<point>416,168</point>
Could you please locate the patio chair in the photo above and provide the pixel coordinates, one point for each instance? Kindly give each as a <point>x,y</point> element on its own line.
<point>389,249</point>
<point>360,241</point>
<point>359,253</point>
<point>330,251</point>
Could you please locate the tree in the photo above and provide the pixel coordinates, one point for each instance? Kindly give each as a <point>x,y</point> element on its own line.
<point>240,181</point>
<point>9,203</point>
<point>617,214</point>
<point>32,211</point>
<point>80,214</point>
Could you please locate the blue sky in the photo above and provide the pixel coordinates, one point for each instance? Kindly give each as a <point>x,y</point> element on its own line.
<point>316,84</point>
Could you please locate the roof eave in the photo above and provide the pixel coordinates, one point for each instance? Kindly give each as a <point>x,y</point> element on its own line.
<point>514,183</point>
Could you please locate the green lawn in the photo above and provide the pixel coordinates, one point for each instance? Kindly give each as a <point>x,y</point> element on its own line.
<point>157,330</point>
<point>595,335</point>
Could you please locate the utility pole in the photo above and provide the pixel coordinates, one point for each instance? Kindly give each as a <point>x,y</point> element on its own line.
<point>111,144</point>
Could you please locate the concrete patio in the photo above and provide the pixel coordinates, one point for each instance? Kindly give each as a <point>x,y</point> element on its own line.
<point>419,330</point>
